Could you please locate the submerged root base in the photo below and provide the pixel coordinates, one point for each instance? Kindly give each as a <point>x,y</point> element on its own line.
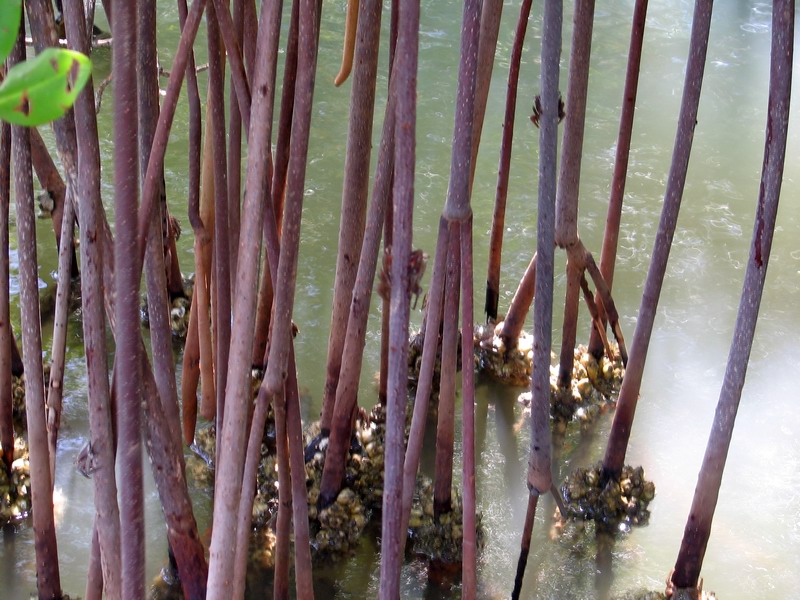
<point>510,364</point>
<point>438,538</point>
<point>593,390</point>
<point>617,504</point>
<point>337,529</point>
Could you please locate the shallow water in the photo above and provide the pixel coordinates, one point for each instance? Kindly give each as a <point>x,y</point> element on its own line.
<point>753,550</point>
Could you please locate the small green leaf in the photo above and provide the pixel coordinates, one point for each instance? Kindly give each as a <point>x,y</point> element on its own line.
<point>41,90</point>
<point>10,11</point>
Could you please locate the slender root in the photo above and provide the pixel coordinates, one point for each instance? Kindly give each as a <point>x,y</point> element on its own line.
<point>533,500</point>
<point>350,26</point>
<point>596,320</point>
<point>608,305</point>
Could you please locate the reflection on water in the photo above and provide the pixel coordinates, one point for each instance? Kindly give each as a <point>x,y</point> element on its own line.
<point>753,551</point>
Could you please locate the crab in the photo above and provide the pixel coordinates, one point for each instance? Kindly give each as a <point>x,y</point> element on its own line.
<point>537,110</point>
<point>416,269</point>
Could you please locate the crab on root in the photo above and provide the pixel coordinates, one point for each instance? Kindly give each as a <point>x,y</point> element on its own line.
<point>537,110</point>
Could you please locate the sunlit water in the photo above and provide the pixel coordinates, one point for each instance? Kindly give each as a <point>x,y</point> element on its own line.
<point>754,546</point>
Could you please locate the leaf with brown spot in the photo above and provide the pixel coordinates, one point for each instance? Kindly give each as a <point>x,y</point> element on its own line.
<point>41,90</point>
<point>24,105</point>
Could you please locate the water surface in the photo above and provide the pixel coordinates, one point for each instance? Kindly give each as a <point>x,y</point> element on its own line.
<point>753,550</point>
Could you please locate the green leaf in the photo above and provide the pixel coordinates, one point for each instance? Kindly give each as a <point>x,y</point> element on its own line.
<point>41,90</point>
<point>10,12</point>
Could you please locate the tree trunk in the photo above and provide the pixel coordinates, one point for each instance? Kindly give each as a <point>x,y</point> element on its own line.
<point>6,336</point>
<point>522,562</point>
<point>445,426</point>
<point>47,574</point>
<point>227,492</point>
<point>540,478</point>
<point>457,209</point>
<point>302,548</point>
<point>629,394</point>
<point>285,119</point>
<point>383,373</point>
<point>235,152</point>
<point>355,192</point>
<point>567,194</point>
<point>204,251</point>
<point>55,392</point>
<point>469,560</point>
<point>94,577</point>
<point>425,378</point>
<point>155,275</point>
<point>168,471</point>
<point>406,61</point>
<point>50,180</point>
<point>222,261</point>
<point>698,526</point>
<point>107,525</point>
<point>284,523</point>
<point>191,356</point>
<point>40,14</point>
<point>491,12</point>
<point>353,351</point>
<point>520,305</point>
<point>608,255</point>
<point>128,338</point>
<point>504,169</point>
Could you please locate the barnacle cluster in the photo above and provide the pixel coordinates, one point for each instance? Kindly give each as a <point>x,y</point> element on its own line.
<point>507,361</point>
<point>15,488</point>
<point>337,528</point>
<point>18,399</point>
<point>615,503</point>
<point>179,316</point>
<point>439,538</point>
<point>262,548</point>
<point>592,389</point>
<point>178,311</point>
<point>365,468</point>
<point>339,525</point>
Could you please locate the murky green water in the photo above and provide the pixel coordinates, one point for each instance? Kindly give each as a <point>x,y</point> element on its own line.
<point>753,551</point>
